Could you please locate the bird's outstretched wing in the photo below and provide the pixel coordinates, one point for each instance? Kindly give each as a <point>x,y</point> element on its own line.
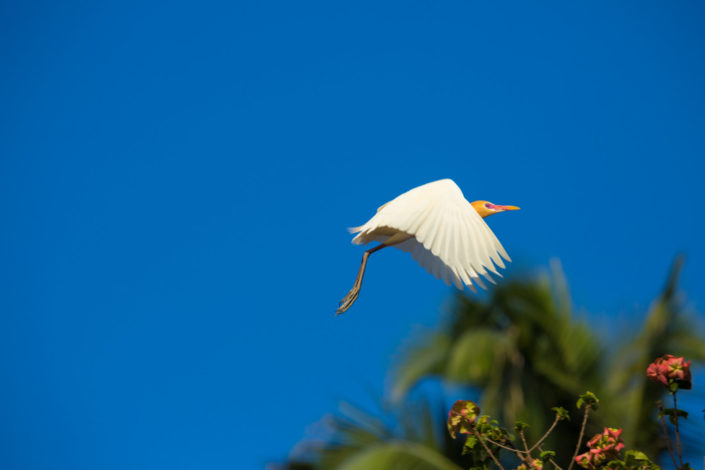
<point>450,239</point>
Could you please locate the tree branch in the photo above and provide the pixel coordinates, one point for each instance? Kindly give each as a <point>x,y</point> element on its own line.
<point>487,449</point>
<point>543,438</point>
<point>523,440</point>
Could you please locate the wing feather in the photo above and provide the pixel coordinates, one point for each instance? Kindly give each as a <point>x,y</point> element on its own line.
<point>457,282</point>
<point>478,254</point>
<point>479,282</point>
<point>480,239</point>
<point>433,263</point>
<point>445,273</point>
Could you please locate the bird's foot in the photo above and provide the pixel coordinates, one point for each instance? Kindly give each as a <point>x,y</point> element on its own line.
<point>348,300</point>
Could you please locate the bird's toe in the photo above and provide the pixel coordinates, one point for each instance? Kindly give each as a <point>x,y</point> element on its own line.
<point>348,300</point>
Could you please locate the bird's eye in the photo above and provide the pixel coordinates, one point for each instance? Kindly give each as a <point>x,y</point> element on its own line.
<point>489,205</point>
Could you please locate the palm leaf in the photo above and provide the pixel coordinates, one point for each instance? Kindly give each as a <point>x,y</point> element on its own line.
<point>398,455</point>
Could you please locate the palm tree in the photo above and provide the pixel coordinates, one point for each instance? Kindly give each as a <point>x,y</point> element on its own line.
<point>354,440</point>
<point>523,348</point>
<point>527,352</point>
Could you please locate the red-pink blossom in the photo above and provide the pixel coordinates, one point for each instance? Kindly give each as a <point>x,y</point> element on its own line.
<point>590,459</point>
<point>670,369</point>
<point>534,464</point>
<point>606,445</point>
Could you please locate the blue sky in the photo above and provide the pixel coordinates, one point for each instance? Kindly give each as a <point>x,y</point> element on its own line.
<point>176,180</point>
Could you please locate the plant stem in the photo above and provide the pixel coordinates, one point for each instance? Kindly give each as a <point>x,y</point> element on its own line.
<point>523,440</point>
<point>665,434</point>
<point>510,448</point>
<point>487,449</point>
<point>580,437</point>
<point>678,434</point>
<point>543,438</point>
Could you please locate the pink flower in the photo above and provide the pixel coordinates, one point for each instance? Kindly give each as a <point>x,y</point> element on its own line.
<point>583,460</point>
<point>593,442</point>
<point>657,371</point>
<point>604,446</point>
<point>678,369</point>
<point>534,464</point>
<point>590,459</point>
<point>670,369</point>
<point>612,440</point>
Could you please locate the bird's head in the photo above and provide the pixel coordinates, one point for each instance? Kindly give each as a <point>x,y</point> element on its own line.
<point>486,208</point>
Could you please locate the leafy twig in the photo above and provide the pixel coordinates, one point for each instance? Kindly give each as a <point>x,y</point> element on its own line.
<point>558,467</point>
<point>511,449</point>
<point>487,449</point>
<point>525,454</point>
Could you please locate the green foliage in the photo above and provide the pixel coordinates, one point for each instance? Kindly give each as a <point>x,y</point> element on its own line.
<point>487,442</point>
<point>561,413</point>
<point>398,455</point>
<point>490,428</point>
<point>523,347</point>
<point>355,440</point>
<point>520,426</point>
<point>588,399</point>
<point>633,460</point>
<point>672,413</point>
<point>527,351</point>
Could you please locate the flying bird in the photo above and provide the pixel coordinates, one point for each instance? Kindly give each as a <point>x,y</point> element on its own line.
<point>444,233</point>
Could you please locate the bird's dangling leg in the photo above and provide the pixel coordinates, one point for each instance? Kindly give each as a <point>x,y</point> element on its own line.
<point>350,299</point>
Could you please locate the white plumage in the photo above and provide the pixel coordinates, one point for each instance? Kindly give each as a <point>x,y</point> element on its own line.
<point>442,231</point>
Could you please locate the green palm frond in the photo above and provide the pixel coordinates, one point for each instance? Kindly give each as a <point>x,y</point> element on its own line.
<point>357,440</point>
<point>423,359</point>
<point>399,455</point>
<point>522,347</point>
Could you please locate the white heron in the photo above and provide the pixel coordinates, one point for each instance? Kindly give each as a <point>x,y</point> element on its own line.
<point>444,233</point>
